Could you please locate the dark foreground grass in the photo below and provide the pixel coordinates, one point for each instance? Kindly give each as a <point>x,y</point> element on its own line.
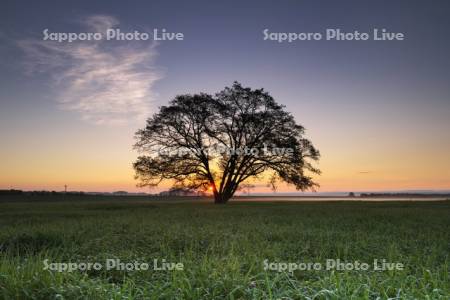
<point>223,249</point>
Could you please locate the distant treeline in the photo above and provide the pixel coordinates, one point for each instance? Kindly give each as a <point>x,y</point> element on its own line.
<point>12,192</point>
<point>38,193</point>
<point>405,195</point>
<point>180,192</point>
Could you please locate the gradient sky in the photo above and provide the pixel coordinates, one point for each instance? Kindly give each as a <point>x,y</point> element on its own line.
<point>377,111</point>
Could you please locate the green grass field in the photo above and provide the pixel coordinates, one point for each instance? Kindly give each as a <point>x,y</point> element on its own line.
<point>222,248</point>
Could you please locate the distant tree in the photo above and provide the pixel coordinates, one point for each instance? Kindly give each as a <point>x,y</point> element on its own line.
<point>179,191</point>
<point>351,194</point>
<point>252,137</point>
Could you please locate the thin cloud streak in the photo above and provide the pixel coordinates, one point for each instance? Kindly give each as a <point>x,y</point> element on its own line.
<point>106,82</point>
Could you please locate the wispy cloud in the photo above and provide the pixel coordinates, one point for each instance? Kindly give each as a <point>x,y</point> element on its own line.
<point>99,23</point>
<point>106,82</point>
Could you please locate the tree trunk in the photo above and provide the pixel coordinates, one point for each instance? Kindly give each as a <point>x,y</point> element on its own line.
<point>220,199</point>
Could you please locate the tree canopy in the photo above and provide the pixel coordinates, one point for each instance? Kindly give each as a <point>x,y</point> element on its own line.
<point>220,142</point>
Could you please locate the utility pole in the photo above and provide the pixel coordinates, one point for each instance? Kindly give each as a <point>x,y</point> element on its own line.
<point>65,189</point>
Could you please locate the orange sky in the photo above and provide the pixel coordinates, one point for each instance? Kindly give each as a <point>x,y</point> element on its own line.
<point>100,159</point>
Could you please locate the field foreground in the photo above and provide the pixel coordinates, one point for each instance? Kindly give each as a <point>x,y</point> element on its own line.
<point>223,249</point>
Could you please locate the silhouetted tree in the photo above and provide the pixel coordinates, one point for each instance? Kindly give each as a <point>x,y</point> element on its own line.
<point>217,142</point>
